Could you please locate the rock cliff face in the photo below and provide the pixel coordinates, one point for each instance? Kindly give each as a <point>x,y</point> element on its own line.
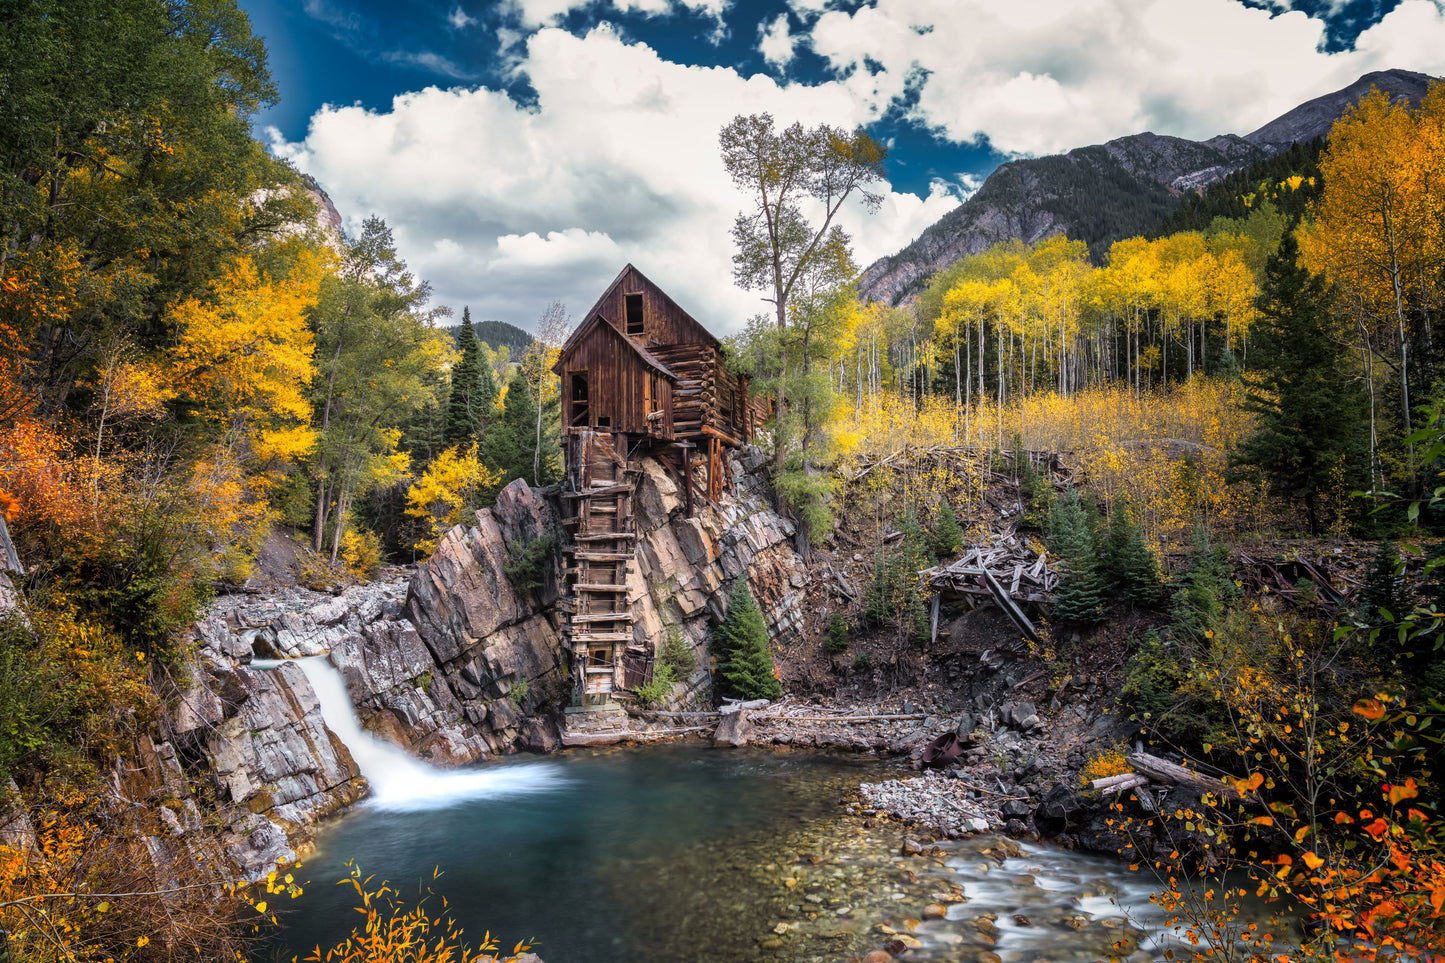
<point>456,663</point>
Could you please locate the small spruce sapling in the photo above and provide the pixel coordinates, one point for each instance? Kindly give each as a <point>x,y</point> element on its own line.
<point>947,533</point>
<point>1380,598</point>
<point>1128,563</point>
<point>745,662</point>
<point>1080,597</point>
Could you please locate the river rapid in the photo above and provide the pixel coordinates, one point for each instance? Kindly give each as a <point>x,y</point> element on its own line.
<point>685,852</point>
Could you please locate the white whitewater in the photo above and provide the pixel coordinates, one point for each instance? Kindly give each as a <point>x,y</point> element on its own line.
<point>400,782</point>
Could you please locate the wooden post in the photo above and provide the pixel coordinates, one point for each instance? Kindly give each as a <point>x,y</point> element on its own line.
<point>687,447</point>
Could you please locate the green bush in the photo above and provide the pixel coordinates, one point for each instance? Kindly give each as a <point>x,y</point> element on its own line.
<point>1152,680</point>
<point>836,641</point>
<point>676,655</point>
<point>745,661</point>
<point>674,664</point>
<point>1205,592</point>
<point>808,493</point>
<point>527,564</point>
<point>656,691</point>
<point>517,694</point>
<point>896,595</point>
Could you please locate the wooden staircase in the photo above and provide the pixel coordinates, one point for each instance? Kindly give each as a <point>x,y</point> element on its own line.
<point>598,504</point>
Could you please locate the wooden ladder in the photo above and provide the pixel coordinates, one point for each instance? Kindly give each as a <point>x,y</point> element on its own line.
<point>603,536</point>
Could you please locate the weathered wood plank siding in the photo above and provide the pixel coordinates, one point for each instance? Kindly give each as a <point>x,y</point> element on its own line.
<point>621,388</point>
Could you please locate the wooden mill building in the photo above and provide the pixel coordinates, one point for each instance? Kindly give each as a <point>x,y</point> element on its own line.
<point>639,376</point>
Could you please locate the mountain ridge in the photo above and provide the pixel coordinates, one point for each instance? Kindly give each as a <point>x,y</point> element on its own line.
<point>1102,193</point>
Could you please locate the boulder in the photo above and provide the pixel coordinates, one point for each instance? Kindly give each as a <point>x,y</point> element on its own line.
<point>1061,809</point>
<point>1019,715</point>
<point>734,730</point>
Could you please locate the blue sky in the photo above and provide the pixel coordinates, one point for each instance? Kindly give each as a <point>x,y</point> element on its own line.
<point>523,150</point>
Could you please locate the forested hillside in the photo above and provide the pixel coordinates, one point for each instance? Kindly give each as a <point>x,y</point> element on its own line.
<point>1240,406</point>
<point>191,357</point>
<point>1108,192</point>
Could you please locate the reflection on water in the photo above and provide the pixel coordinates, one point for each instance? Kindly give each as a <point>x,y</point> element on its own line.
<point>686,853</point>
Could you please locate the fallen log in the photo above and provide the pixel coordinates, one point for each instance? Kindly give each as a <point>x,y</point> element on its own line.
<point>1108,781</point>
<point>732,707</point>
<point>575,739</point>
<point>1165,771</point>
<point>1135,781</point>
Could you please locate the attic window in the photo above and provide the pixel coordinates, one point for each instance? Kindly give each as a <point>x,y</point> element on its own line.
<point>634,315</point>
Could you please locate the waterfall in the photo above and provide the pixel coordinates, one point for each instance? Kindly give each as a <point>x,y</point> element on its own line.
<point>401,782</point>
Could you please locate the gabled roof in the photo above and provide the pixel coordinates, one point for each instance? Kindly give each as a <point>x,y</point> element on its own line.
<point>592,312</point>
<point>585,328</point>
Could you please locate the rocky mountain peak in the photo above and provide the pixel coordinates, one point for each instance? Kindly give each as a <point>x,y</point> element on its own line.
<point>1103,193</point>
<point>1314,118</point>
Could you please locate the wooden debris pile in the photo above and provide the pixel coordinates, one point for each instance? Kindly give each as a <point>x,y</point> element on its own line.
<point>1008,571</point>
<point>1282,576</point>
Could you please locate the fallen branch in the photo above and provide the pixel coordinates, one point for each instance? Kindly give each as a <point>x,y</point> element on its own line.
<point>891,717</point>
<point>577,739</point>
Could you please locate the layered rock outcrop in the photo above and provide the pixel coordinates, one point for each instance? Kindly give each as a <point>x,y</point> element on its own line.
<point>456,662</point>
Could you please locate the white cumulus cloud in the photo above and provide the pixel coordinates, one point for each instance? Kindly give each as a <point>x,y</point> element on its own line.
<point>505,206</point>
<point>775,42</point>
<point>1041,76</point>
<point>616,161</point>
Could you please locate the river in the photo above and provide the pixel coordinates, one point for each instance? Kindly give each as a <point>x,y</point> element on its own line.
<point>680,853</point>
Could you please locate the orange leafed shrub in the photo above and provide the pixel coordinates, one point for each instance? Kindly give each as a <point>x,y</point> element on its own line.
<point>397,933</point>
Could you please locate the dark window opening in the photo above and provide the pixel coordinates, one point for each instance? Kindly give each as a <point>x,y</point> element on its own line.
<point>580,409</point>
<point>634,315</point>
<point>604,422</point>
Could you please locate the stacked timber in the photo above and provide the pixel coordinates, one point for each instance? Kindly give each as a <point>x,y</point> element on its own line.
<point>602,536</point>
<point>694,398</point>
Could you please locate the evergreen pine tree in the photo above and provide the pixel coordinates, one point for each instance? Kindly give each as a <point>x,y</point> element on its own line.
<point>485,397</point>
<point>1308,439</point>
<point>745,663</point>
<point>1128,563</point>
<point>464,401</point>
<point>512,439</point>
<point>1080,596</point>
<point>1040,490</point>
<point>947,533</point>
<point>1381,591</point>
<point>1205,590</point>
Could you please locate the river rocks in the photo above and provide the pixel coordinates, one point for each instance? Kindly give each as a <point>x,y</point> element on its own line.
<point>1020,715</point>
<point>1060,809</point>
<point>932,802</point>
